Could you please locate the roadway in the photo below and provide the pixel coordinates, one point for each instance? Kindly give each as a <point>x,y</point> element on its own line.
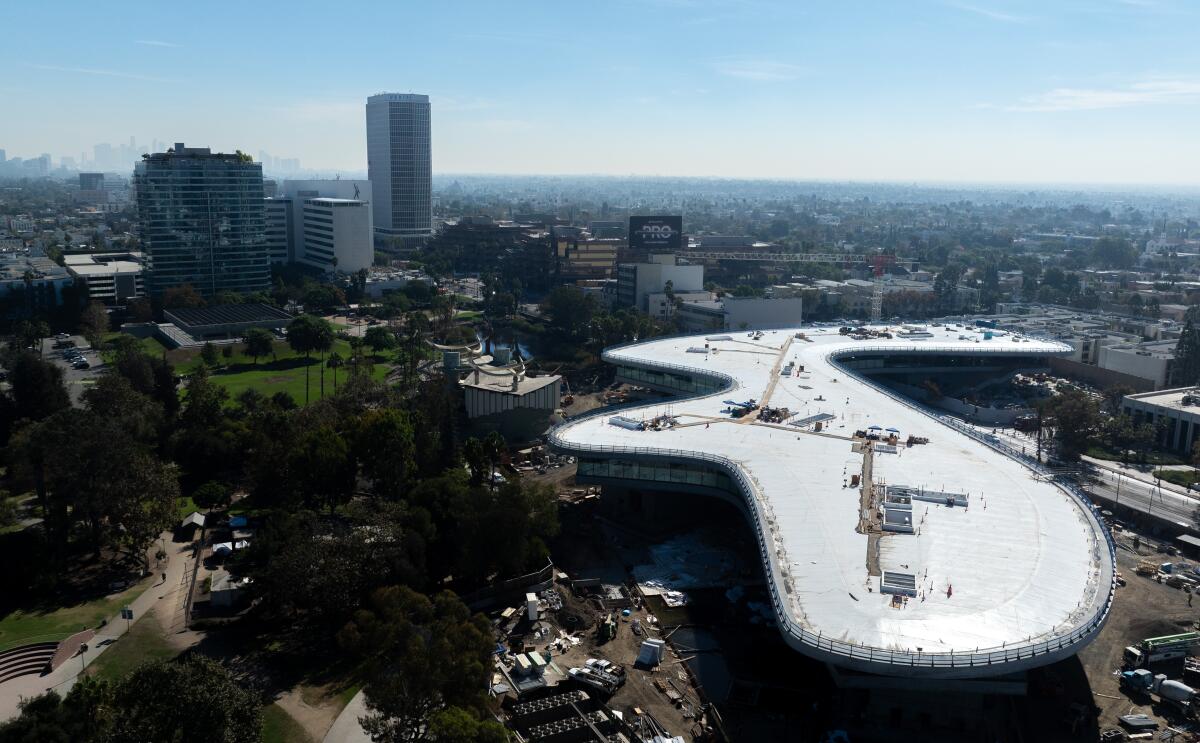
<point>1116,485</point>
<point>1143,497</point>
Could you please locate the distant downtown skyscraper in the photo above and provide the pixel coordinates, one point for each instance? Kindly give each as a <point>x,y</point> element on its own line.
<point>399,164</point>
<point>202,220</point>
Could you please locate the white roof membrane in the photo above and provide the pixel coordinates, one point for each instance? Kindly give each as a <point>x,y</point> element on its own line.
<point>1017,574</point>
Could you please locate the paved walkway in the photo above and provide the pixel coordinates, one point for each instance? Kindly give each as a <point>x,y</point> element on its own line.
<point>346,728</point>
<point>167,596</point>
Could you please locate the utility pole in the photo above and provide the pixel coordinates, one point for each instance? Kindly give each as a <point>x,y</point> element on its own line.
<point>1039,435</point>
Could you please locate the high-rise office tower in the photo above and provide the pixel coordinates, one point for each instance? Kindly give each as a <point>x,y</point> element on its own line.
<point>202,220</point>
<point>91,181</point>
<point>399,164</point>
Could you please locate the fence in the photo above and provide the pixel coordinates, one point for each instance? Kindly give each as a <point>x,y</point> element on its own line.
<point>771,545</point>
<point>535,582</point>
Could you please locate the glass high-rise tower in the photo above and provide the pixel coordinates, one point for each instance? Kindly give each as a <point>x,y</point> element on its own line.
<point>202,220</point>
<point>399,164</point>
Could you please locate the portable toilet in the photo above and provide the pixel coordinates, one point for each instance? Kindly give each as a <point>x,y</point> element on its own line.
<point>531,606</point>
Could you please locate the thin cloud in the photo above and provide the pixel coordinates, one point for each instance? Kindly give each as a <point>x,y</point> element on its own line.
<point>502,125</point>
<point>102,73</point>
<point>989,13</point>
<point>154,42</point>
<point>461,104</point>
<point>1147,93</point>
<point>759,70</point>
<point>309,111</point>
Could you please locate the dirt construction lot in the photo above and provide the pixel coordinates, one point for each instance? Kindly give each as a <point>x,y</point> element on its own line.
<point>1143,608</point>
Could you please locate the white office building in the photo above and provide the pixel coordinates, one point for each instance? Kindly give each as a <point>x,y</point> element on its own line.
<point>325,224</point>
<point>637,281</point>
<point>112,278</point>
<point>337,234</point>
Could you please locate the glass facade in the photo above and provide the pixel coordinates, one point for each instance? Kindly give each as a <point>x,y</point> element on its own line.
<point>202,221</point>
<point>399,163</point>
<point>657,471</point>
<point>680,382</point>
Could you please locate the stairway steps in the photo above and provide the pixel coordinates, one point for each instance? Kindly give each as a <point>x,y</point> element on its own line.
<point>26,659</point>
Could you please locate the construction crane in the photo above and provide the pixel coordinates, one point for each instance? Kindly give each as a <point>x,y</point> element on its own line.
<point>878,263</point>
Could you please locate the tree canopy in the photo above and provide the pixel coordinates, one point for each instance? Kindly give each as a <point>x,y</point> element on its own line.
<point>424,657</point>
<point>192,700</point>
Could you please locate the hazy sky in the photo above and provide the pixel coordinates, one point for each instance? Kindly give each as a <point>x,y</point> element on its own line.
<point>912,90</point>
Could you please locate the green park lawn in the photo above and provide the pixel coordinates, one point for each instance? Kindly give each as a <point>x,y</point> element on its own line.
<point>143,643</point>
<point>38,625</point>
<point>280,727</point>
<point>1186,478</point>
<point>286,372</point>
<point>186,506</point>
<point>283,371</point>
<point>1153,457</point>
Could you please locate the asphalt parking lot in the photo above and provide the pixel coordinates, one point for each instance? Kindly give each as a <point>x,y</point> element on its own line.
<point>77,380</point>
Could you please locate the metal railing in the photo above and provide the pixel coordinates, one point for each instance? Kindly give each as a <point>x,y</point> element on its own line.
<point>771,545</point>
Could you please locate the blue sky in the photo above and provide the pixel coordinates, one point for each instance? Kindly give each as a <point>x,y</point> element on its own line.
<point>926,90</point>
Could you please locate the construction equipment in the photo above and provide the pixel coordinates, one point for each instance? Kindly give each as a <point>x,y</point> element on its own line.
<point>1154,649</point>
<point>607,629</point>
<point>597,681</point>
<point>878,264</point>
<point>1176,694</point>
<point>568,398</point>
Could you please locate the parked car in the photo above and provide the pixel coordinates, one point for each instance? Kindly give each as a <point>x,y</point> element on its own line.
<point>604,666</point>
<point>82,364</point>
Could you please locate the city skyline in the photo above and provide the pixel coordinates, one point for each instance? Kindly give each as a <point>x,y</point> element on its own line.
<point>1084,92</point>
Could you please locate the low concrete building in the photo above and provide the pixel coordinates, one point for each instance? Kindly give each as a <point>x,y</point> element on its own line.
<point>659,305</point>
<point>31,284</point>
<point>225,590</point>
<point>741,313</point>
<point>1152,361</point>
<point>112,278</point>
<point>1177,410</point>
<point>194,326</point>
<point>500,396</point>
<point>637,281</point>
<point>382,281</point>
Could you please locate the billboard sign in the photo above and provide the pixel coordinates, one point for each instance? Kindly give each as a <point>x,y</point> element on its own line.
<point>656,234</point>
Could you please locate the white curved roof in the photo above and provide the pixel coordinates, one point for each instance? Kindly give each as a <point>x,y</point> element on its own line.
<point>1025,564</point>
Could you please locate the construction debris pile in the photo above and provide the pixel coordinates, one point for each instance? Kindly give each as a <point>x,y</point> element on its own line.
<point>864,332</point>
<point>773,415</point>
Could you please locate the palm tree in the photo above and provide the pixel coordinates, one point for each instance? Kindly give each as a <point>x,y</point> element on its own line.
<point>335,361</point>
<point>494,446</point>
<point>307,334</point>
